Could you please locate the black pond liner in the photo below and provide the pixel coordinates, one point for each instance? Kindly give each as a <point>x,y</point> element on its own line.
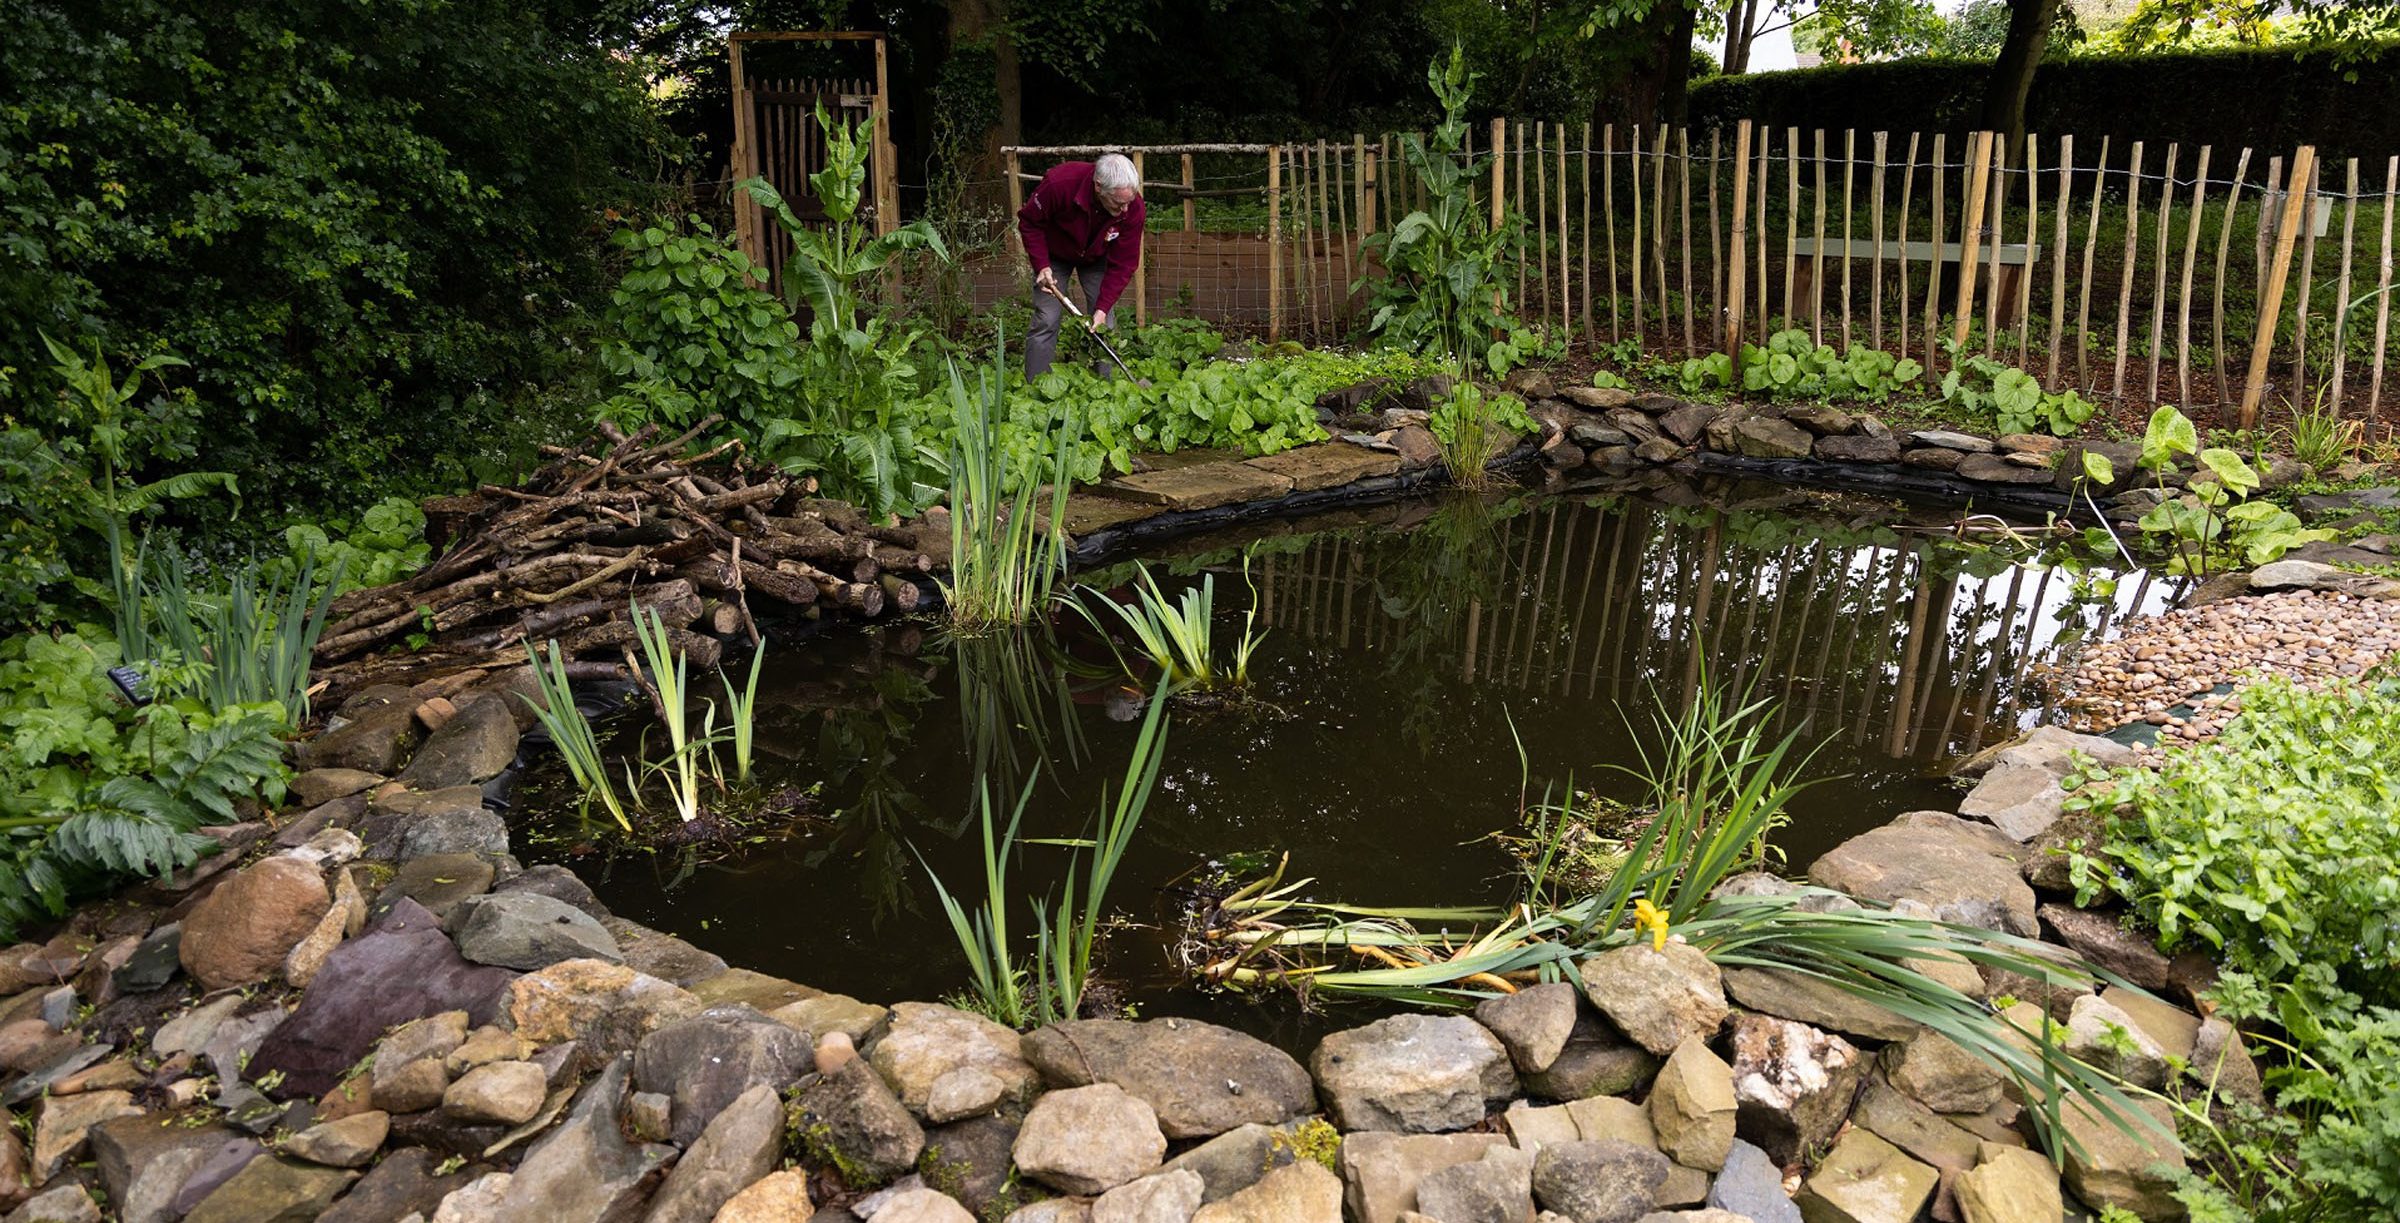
<point>1916,484</point>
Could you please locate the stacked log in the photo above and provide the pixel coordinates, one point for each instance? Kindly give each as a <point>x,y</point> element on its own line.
<point>702,540</point>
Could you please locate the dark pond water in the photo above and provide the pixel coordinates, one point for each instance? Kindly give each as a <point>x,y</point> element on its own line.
<point>1403,646</point>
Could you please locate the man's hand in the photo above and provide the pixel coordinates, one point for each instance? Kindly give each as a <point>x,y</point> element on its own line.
<point>1045,281</point>
<point>1099,320</point>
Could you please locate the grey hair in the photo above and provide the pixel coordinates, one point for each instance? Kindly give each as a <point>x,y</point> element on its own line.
<point>1115,171</point>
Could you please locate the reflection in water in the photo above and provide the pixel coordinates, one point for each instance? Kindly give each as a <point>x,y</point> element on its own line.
<point>1409,658</point>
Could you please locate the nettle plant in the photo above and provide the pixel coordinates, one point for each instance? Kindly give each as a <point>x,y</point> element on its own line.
<point>2014,398</point>
<point>2214,523</point>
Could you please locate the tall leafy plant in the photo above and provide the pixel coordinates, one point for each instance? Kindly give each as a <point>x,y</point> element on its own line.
<point>2216,522</point>
<point>1442,290</point>
<point>1006,546</point>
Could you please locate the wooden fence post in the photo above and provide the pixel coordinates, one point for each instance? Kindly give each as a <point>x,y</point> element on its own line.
<point>2341,292</point>
<point>1141,266</point>
<point>1970,236</point>
<point>1499,191</point>
<point>1739,237</point>
<point>1190,210</point>
<point>1016,204</point>
<point>2270,297</point>
<point>1275,242</point>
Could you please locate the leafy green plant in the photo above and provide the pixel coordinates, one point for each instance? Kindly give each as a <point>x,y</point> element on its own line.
<point>2319,438</point>
<point>1177,637</point>
<point>258,640</point>
<point>2215,521</point>
<point>1472,426</point>
<point>667,671</point>
<point>742,708</point>
<point>1004,555</point>
<point>2013,398</point>
<point>571,733</point>
<point>1791,365</point>
<point>692,332</point>
<point>386,543</point>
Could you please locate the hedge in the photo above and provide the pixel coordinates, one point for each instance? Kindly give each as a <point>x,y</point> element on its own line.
<point>2268,100</point>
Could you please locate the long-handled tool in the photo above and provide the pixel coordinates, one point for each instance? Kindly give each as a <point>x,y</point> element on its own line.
<point>1105,346</point>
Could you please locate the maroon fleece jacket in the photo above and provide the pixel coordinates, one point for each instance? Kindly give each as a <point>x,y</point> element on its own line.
<point>1062,221</point>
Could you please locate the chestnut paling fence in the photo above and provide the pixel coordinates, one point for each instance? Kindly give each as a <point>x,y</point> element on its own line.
<point>2127,270</point>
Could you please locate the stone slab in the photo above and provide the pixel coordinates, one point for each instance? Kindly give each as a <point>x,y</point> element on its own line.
<point>1327,466</point>
<point>1199,488</point>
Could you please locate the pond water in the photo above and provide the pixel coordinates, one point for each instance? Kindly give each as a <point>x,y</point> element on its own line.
<point>1410,652</point>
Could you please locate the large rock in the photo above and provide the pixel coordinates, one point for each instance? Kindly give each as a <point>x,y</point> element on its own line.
<point>404,1183</point>
<point>851,1119</point>
<point>1200,1079</point>
<point>1089,1140</point>
<point>926,1042</point>
<point>1597,1060</point>
<point>272,1190</point>
<point>1751,1186</point>
<point>1658,997</point>
<point>1382,1170</point>
<point>349,1142</point>
<point>68,1203</point>
<point>1997,469</point>
<point>1767,437</point>
<point>1692,1107</point>
<point>705,1062</point>
<point>1534,1023</point>
<point>376,741</point>
<point>1866,1180</point>
<point>605,1008</point>
<point>474,746</point>
<point>920,1205</point>
<point>351,1002</point>
<point>1302,1192</point>
<point>2100,1033</point>
<point>497,1093</point>
<point>1793,1083</point>
<point>440,882</point>
<point>2124,1161</point>
<point>1964,443</point>
<point>65,1124</point>
<point>1603,1181</point>
<point>1412,1073</point>
<point>826,1014</point>
<point>525,930</point>
<point>1942,1076</point>
<point>2019,800</point>
<point>2053,750</point>
<point>2010,1185</point>
<point>1787,994</point>
<point>2221,1064</point>
<point>779,1197</point>
<point>1914,1128</point>
<point>142,1163</point>
<point>240,933</point>
<point>347,917</point>
<point>585,1170</point>
<point>663,955</point>
<point>1965,872</point>
<point>410,1071</point>
<point>738,1147</point>
<point>1234,1160</point>
<point>973,1160</point>
<point>1163,1197</point>
<point>1495,1189</point>
<point>1858,448</point>
<point>2104,940</point>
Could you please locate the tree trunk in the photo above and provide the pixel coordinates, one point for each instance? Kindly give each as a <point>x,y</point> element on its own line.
<point>1659,76</point>
<point>2012,75</point>
<point>973,23</point>
<point>1741,16</point>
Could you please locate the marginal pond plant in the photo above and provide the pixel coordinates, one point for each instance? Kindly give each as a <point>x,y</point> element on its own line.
<point>1177,637</point>
<point>1006,545</point>
<point>571,733</point>
<point>1048,986</point>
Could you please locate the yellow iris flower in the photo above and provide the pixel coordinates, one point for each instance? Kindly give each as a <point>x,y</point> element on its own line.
<point>1650,917</point>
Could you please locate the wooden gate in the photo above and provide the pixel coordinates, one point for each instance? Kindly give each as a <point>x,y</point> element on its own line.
<point>775,137</point>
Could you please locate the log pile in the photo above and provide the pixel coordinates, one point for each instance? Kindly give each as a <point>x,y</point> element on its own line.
<point>707,541</point>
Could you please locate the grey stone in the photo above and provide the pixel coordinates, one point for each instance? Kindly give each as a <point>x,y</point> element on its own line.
<point>1940,1075</point>
<point>1999,469</point>
<point>1751,1185</point>
<point>1234,1160</point>
<point>851,1119</point>
<point>2108,1038</point>
<point>1596,398</point>
<point>1914,1128</point>
<point>376,741</point>
<point>1767,437</point>
<point>1811,1000</point>
<point>153,963</point>
<point>1497,1188</point>
<point>2020,800</point>
<point>2104,941</point>
<point>1533,1023</point>
<point>1162,1197</point>
<point>272,1190</point>
<point>1967,873</point>
<point>1692,1107</point>
<point>2106,1166</point>
<point>739,1146</point>
<point>1657,997</point>
<point>971,1160</point>
<point>1824,420</point>
<point>401,1184</point>
<point>557,883</point>
<point>454,831</point>
<point>1686,424</point>
<point>68,1203</point>
<point>1858,448</point>
<point>1964,443</point>
<point>1596,1061</point>
<point>1199,1078</point>
<point>1413,1073</point>
<point>142,1163</point>
<point>439,882</point>
<point>1592,434</point>
<point>1089,1140</point>
<point>1381,1170</point>
<point>1657,450</point>
<point>1603,1181</point>
<point>926,1041</point>
<point>1932,458</point>
<point>474,746</point>
<point>65,1123</point>
<point>705,1062</point>
<point>1793,1083</point>
<point>221,1164</point>
<point>1867,1180</point>
<point>585,1170</point>
<point>829,1013</point>
<point>526,930</point>
<point>920,1205</point>
<point>2049,748</point>
<point>2221,1064</point>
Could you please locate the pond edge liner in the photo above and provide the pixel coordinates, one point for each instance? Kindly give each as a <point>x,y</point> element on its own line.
<point>1918,484</point>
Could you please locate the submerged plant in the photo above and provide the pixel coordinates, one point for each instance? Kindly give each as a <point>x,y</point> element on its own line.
<point>1004,556</point>
<point>571,733</point>
<point>1179,637</point>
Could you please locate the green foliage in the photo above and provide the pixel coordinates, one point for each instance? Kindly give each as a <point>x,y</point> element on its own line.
<point>1472,425</point>
<point>1177,637</point>
<point>693,334</point>
<point>92,790</point>
<point>571,733</point>
<point>258,640</point>
<point>2013,399</point>
<point>2320,439</point>
<point>369,228</point>
<point>1791,366</point>
<point>1004,556</point>
<point>385,544</point>
<point>2216,520</point>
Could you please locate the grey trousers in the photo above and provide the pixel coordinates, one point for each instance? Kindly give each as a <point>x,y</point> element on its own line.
<point>1041,343</point>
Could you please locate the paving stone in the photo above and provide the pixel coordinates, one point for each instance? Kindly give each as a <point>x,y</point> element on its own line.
<point>1199,488</point>
<point>1327,465</point>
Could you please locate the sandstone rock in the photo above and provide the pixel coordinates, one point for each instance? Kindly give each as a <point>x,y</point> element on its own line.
<point>66,1122</point>
<point>478,1201</point>
<point>485,1045</point>
<point>851,1119</point>
<point>920,1205</point>
<point>2020,800</point>
<point>1932,458</point>
<point>1236,1159</point>
<point>1302,1192</point>
<point>1593,435</point>
<point>68,1203</point>
<point>1495,1189</point>
<point>1659,998</point>
<point>1053,1210</point>
<point>1658,450</point>
<point>1858,448</point>
<point>319,786</point>
<point>271,1190</point>
<point>376,741</point>
<point>1967,873</point>
<point>527,931</point>
<point>348,1143</point>
<point>1596,398</point>
<point>607,1008</point>
<point>467,830</point>
<point>1866,1180</point>
<point>350,1002</point>
<point>1937,1073</point>
<point>1581,1121</point>
<point>401,1184</point>
<point>498,1093</point>
<point>1766,437</point>
<point>1810,1000</point>
<point>1998,469</point>
<point>2108,1167</point>
<point>2010,1185</point>
<point>1532,1023</point>
<point>779,1197</point>
<point>2174,1030</point>
<point>1089,1140</point>
<point>410,1087</point>
<point>2103,939</point>
<point>346,916</point>
<point>1598,1182</point>
<point>926,1042</point>
<point>240,933</point>
<point>1381,1170</point>
<point>1596,1061</point>
<point>2108,1038</point>
<point>1824,420</point>
<point>1163,1197</point>
<point>1914,1128</point>
<point>1964,443</point>
<point>471,748</point>
<point>1692,1107</point>
<point>585,1170</point>
<point>970,1092</point>
<point>16,1169</point>
<point>830,1013</point>
<point>2052,749</point>
<point>1201,1079</point>
<point>1793,1084</point>
<point>1751,1186</point>
<point>739,1146</point>
<point>1413,1073</point>
<point>1686,424</point>
<point>142,1164</point>
<point>440,882</point>
<point>2221,1064</point>
<point>705,1062</point>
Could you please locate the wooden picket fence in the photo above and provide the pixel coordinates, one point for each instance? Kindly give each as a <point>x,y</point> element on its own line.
<point>2104,266</point>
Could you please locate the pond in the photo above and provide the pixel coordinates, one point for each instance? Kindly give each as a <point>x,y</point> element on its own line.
<point>1425,666</point>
